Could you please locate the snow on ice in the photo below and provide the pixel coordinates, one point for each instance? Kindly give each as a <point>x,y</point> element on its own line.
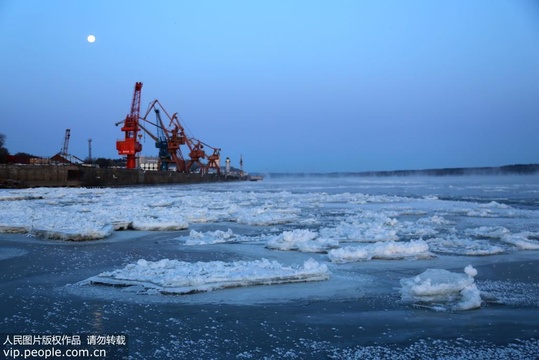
<point>178,277</point>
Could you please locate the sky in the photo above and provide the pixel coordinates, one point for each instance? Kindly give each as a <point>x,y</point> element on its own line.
<point>291,86</point>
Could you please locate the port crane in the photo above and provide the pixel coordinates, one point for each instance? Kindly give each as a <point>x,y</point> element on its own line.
<point>161,143</point>
<point>130,146</point>
<point>169,139</point>
<point>64,151</point>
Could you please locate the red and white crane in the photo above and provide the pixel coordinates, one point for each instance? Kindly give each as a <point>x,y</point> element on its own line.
<point>130,146</point>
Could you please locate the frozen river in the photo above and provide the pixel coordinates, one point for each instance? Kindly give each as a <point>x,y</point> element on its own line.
<point>295,268</point>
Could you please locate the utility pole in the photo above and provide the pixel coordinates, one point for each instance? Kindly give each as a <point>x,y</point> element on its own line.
<point>90,150</point>
<point>241,165</point>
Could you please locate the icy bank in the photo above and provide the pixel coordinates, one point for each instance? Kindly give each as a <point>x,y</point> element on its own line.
<point>442,290</point>
<point>178,277</point>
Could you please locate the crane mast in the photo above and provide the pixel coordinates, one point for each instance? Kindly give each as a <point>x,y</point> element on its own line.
<point>66,142</point>
<point>161,143</point>
<point>130,145</point>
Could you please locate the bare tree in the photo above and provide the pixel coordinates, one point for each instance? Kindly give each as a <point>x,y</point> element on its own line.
<point>3,151</point>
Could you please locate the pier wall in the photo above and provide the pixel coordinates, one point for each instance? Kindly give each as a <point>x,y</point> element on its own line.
<point>82,176</point>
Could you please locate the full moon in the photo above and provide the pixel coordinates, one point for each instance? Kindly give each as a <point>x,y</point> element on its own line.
<point>91,38</point>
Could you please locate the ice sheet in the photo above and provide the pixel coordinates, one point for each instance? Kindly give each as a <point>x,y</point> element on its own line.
<point>178,277</point>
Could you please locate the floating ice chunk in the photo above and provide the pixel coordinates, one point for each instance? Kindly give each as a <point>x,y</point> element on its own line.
<point>371,227</point>
<point>357,198</point>
<point>301,240</point>
<point>470,271</point>
<point>210,237</point>
<point>470,298</point>
<point>179,277</point>
<point>263,216</point>
<point>158,219</point>
<point>440,289</point>
<point>493,232</point>
<point>158,224</point>
<point>521,241</point>
<point>437,220</point>
<point>495,205</point>
<point>160,203</point>
<point>199,216</point>
<point>82,234</point>
<point>416,229</point>
<point>196,235</point>
<point>418,249</point>
<point>453,244</point>
<point>481,213</point>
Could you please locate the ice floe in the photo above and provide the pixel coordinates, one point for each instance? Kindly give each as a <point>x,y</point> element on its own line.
<point>522,240</point>
<point>90,233</point>
<point>178,277</point>
<point>452,244</point>
<point>417,249</point>
<point>301,240</point>
<point>492,232</point>
<point>442,290</point>
<point>365,227</point>
<point>208,237</point>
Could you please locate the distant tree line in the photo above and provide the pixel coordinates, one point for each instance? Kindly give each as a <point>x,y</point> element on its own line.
<point>5,156</point>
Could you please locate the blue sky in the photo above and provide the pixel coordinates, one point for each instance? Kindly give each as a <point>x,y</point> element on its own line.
<point>316,86</point>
